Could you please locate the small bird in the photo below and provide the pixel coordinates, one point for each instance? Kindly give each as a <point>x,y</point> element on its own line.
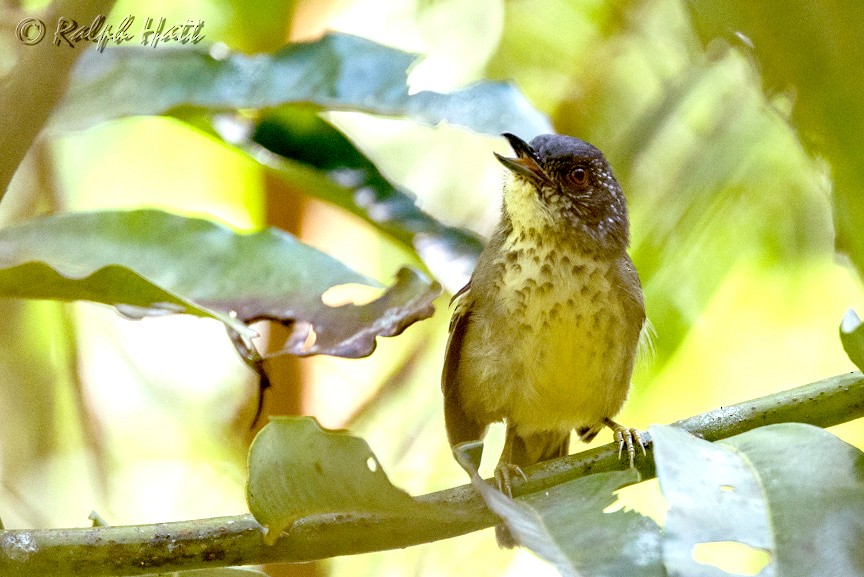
<point>545,333</point>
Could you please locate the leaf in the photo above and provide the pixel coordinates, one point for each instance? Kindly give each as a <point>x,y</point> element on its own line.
<point>544,66</point>
<point>814,484</point>
<point>852,337</point>
<point>150,262</point>
<point>567,526</point>
<point>350,330</point>
<point>713,497</point>
<point>793,489</point>
<point>297,469</point>
<point>342,175</point>
<point>336,72</point>
<point>131,294</point>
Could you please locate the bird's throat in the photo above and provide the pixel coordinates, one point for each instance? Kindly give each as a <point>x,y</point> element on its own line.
<point>523,206</point>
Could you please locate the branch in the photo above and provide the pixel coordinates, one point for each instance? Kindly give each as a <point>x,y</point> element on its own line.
<point>137,550</point>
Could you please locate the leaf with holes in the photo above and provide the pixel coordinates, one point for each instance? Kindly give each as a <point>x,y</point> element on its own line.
<point>791,496</point>
<point>297,468</point>
<point>713,496</point>
<point>149,262</point>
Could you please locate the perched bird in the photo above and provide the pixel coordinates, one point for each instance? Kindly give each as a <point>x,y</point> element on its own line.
<point>544,335</point>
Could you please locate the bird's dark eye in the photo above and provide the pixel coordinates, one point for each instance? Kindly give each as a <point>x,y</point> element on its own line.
<point>578,176</point>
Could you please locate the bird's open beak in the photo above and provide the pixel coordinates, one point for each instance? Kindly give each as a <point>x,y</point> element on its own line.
<point>525,164</point>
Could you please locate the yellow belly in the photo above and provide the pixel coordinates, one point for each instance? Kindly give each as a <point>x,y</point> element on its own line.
<point>542,351</point>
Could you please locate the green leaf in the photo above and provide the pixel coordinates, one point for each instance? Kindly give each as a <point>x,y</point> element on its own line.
<point>567,526</point>
<point>713,497</point>
<point>149,262</point>
<point>337,72</point>
<point>793,490</point>
<point>319,160</point>
<point>297,468</point>
<point>129,292</point>
<point>814,484</point>
<point>852,337</point>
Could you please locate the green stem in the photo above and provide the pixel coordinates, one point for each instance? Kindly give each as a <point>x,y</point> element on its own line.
<point>137,550</point>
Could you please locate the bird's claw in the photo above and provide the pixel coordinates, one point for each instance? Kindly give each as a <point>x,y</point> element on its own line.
<point>627,439</point>
<point>504,474</point>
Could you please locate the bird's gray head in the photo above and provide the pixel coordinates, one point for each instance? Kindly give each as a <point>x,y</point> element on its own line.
<point>574,182</point>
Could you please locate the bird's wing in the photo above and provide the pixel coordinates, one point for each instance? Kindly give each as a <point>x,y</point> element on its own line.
<point>634,302</point>
<point>460,426</point>
<point>460,292</point>
<point>458,326</point>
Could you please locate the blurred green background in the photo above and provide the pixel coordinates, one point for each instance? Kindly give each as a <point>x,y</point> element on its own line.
<point>728,147</point>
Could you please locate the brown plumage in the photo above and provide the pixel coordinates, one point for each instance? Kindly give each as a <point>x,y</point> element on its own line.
<point>544,335</point>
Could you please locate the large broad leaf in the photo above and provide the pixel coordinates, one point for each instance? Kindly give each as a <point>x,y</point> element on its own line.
<point>150,262</point>
<point>714,497</point>
<point>793,491</point>
<point>297,469</point>
<point>133,295</point>
<point>337,72</point>
<point>567,524</point>
<point>814,485</point>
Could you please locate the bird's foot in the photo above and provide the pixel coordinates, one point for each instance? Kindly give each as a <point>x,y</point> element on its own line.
<point>626,439</point>
<point>504,474</point>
